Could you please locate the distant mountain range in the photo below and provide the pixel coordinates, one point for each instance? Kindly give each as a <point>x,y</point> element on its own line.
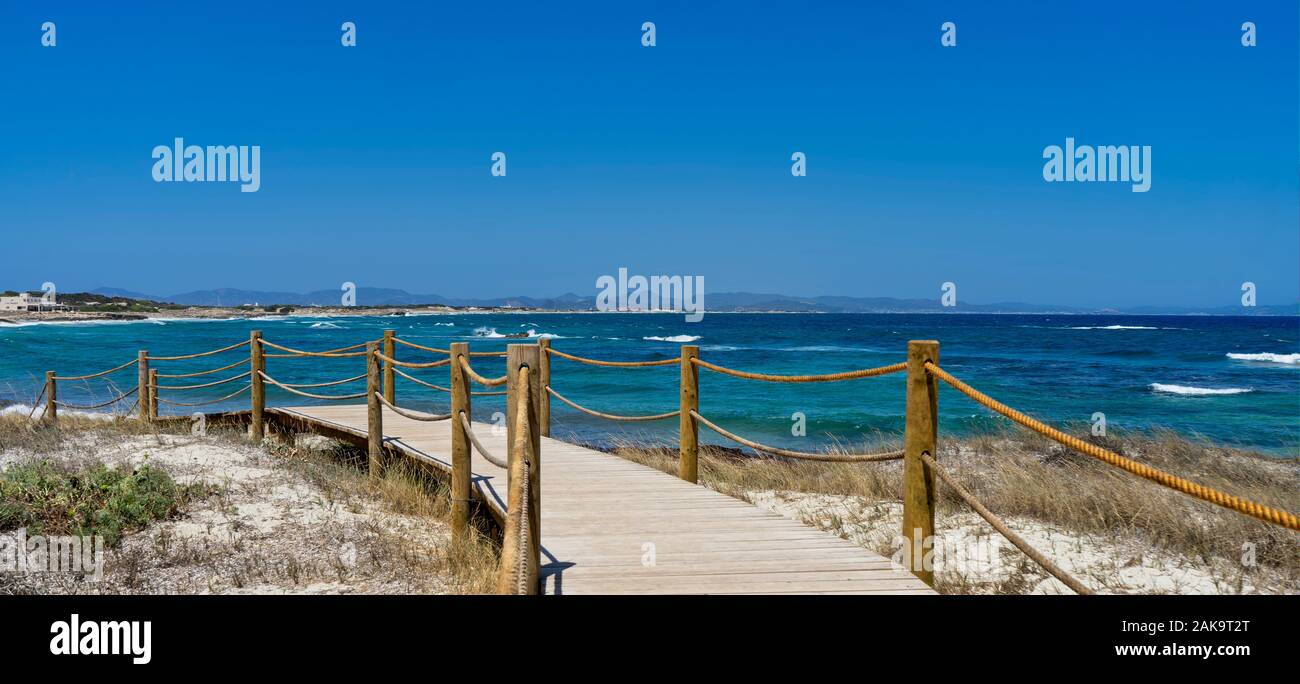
<point>713,301</point>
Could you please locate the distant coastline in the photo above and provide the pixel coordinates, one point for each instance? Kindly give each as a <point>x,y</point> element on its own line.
<point>14,318</point>
<point>110,304</point>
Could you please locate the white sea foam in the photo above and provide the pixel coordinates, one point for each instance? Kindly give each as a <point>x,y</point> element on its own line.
<point>1287,359</point>
<point>487,332</point>
<point>25,409</point>
<point>326,325</point>
<point>1197,391</point>
<point>1112,327</point>
<point>674,338</point>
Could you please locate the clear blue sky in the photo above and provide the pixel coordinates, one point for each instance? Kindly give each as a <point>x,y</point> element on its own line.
<point>924,163</point>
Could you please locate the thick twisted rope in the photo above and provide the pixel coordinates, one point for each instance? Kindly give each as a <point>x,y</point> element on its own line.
<point>408,413</point>
<point>440,388</point>
<point>344,381</point>
<point>517,536</point>
<point>309,395</point>
<point>128,364</point>
<point>827,377</point>
<point>413,345</point>
<point>206,384</point>
<point>487,382</point>
<point>175,376</point>
<point>619,364</point>
<point>37,402</point>
<point>1214,496</point>
<point>232,395</point>
<point>114,400</point>
<point>418,381</point>
<point>611,416</point>
<point>200,354</point>
<point>1075,585</point>
<point>805,455</point>
<point>407,364</point>
<point>332,354</point>
<point>473,439</point>
<point>525,531</point>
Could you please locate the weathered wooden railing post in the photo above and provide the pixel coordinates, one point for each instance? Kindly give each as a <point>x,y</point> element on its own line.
<point>257,364</point>
<point>544,376</point>
<point>51,397</point>
<point>390,389</point>
<point>461,453</point>
<point>689,451</point>
<point>920,435</point>
<point>153,394</point>
<point>519,356</point>
<point>374,411</point>
<point>142,384</point>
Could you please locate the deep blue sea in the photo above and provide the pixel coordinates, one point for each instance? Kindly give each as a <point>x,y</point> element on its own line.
<point>1230,379</point>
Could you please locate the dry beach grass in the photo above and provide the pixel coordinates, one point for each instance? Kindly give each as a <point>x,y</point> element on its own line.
<point>1116,532</point>
<point>304,517</point>
<point>283,518</point>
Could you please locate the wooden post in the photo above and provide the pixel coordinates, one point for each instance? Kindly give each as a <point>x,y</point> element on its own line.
<point>142,384</point>
<point>544,374</point>
<point>461,453</point>
<point>517,357</point>
<point>153,394</point>
<point>51,398</point>
<point>374,411</point>
<point>919,437</point>
<point>689,452</point>
<point>257,356</point>
<point>390,390</point>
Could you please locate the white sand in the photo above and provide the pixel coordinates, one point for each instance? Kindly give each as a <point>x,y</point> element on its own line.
<point>270,529</point>
<point>974,558</point>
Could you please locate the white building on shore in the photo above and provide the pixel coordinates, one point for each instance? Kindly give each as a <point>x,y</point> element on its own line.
<point>29,302</point>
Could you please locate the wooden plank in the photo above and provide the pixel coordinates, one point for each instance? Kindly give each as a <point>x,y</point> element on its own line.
<point>602,515</point>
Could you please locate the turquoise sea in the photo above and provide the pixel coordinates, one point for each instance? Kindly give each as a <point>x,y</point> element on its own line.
<point>1230,379</point>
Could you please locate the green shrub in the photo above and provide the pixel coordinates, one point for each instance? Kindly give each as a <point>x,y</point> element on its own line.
<point>96,501</point>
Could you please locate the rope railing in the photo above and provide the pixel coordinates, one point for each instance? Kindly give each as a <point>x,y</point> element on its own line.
<point>517,575</point>
<point>208,402</point>
<point>214,352</point>
<point>485,381</point>
<point>340,353</point>
<point>436,350</point>
<point>292,390</point>
<point>440,388</point>
<point>37,402</point>
<point>827,377</point>
<point>79,407</point>
<point>1043,561</point>
<point>177,376</point>
<point>100,374</point>
<point>201,386</point>
<point>413,345</point>
<point>1199,491</point>
<point>332,383</point>
<point>619,364</point>
<point>478,446</point>
<point>413,415</point>
<point>804,455</point>
<point>530,423</point>
<point>611,416</point>
<point>408,364</point>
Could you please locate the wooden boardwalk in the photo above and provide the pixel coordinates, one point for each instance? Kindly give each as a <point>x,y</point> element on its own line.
<point>611,526</point>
